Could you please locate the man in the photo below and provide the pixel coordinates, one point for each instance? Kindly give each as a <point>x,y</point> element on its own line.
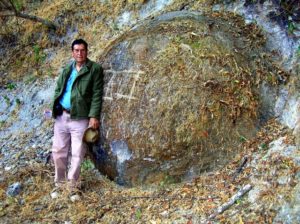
<point>76,106</point>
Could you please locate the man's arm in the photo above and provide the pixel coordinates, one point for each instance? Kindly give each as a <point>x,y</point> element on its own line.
<point>57,91</point>
<point>96,103</point>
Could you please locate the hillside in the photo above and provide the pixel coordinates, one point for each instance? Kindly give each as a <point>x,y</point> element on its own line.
<point>262,158</point>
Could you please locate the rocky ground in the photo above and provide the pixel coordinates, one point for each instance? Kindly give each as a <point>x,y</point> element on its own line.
<point>268,163</point>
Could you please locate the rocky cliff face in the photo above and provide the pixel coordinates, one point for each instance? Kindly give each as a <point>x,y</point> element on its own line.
<point>280,25</point>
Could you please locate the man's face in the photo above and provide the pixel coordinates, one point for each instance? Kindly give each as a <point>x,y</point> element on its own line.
<point>79,53</point>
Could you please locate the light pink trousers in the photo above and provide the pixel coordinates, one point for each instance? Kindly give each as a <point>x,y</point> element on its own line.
<point>68,135</point>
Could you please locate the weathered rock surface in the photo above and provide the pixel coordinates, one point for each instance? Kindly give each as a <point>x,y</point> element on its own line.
<point>282,33</point>
<point>284,42</point>
<point>279,150</point>
<point>180,94</point>
<point>23,125</point>
<point>14,189</point>
<point>289,212</point>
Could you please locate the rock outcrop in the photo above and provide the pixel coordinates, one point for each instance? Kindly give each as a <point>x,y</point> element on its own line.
<point>181,92</point>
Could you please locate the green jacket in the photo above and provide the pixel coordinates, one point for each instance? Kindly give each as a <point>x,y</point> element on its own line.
<point>87,89</point>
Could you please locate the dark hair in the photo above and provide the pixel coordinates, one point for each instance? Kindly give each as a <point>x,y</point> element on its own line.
<point>79,41</point>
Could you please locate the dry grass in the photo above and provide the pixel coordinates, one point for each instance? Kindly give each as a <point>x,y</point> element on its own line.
<point>229,83</point>
<point>97,27</point>
<point>104,202</point>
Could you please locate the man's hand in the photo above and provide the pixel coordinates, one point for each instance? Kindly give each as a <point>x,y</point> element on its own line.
<point>94,123</point>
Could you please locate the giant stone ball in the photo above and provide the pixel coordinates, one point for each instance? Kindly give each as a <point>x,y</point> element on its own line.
<point>180,96</point>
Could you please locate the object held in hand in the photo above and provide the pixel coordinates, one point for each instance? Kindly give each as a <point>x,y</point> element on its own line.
<point>91,135</point>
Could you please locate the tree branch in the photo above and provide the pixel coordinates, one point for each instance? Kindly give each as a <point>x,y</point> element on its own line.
<point>232,200</point>
<point>7,8</point>
<point>7,13</point>
<point>240,168</point>
<point>45,22</point>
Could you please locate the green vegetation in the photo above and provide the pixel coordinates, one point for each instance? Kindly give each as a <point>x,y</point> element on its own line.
<point>263,147</point>
<point>298,51</point>
<point>39,56</point>
<point>87,165</point>
<point>18,4</point>
<point>243,138</point>
<point>167,181</point>
<point>18,101</point>
<point>7,100</point>
<point>138,213</point>
<point>115,26</point>
<point>10,86</point>
<point>291,27</point>
<point>2,124</point>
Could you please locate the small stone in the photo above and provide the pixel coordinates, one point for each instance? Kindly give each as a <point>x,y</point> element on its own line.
<point>282,180</point>
<point>296,33</point>
<point>164,214</point>
<point>14,189</point>
<point>7,168</point>
<point>75,197</point>
<point>54,195</point>
<point>216,8</point>
<point>38,209</point>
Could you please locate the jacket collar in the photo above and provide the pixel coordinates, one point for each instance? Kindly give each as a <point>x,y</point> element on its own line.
<point>85,68</point>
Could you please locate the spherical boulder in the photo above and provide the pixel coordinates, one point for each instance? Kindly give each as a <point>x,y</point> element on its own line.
<point>181,93</point>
